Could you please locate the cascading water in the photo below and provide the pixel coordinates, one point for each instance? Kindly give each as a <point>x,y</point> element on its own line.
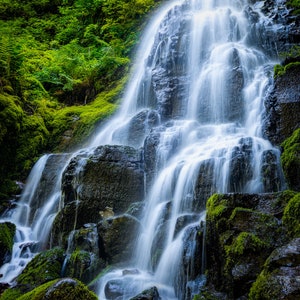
<point>194,103</point>
<point>34,214</point>
<point>201,78</point>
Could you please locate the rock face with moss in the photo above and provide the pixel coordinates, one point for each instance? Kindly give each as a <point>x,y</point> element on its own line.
<point>62,289</point>
<point>7,232</point>
<point>242,232</point>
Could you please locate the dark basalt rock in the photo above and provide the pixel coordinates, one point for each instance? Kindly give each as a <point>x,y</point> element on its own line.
<point>108,179</point>
<point>279,278</point>
<point>117,237</point>
<point>242,231</point>
<point>283,106</point>
<point>150,294</point>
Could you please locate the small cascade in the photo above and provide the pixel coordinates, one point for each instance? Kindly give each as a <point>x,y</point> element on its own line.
<point>34,214</point>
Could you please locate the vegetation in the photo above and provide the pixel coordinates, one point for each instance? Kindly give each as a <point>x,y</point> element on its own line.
<point>290,160</point>
<point>63,64</point>
<point>294,5</point>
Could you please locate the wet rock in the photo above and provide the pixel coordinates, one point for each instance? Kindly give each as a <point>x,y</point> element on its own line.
<point>138,128</point>
<point>47,182</point>
<point>283,106</point>
<point>44,267</point>
<point>240,165</point>
<point>150,294</point>
<point>271,174</point>
<point>205,185</point>
<point>110,178</point>
<point>117,237</point>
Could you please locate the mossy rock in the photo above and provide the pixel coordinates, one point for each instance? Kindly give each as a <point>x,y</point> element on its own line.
<point>290,160</point>
<point>63,289</point>
<point>278,278</point>
<point>242,231</point>
<point>44,267</point>
<point>291,217</point>
<point>7,233</point>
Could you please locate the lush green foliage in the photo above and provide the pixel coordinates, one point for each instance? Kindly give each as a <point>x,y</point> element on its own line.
<point>295,5</point>
<point>56,58</point>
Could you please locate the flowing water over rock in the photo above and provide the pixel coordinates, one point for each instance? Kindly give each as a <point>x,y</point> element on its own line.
<point>194,104</point>
<point>201,77</point>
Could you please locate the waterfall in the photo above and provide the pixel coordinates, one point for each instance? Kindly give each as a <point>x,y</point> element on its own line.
<point>198,87</point>
<point>194,103</point>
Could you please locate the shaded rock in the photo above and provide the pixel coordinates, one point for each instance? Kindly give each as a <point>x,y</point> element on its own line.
<point>242,231</point>
<point>150,294</point>
<point>116,238</point>
<point>280,276</point>
<point>283,106</point>
<point>7,233</point>
<point>111,177</point>
<point>205,185</point>
<point>271,174</point>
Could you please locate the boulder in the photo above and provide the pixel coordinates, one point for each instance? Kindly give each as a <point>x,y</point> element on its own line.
<point>108,179</point>
<point>62,289</point>
<point>149,294</point>
<point>116,238</point>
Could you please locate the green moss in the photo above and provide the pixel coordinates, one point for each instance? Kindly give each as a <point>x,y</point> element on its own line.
<point>11,294</point>
<point>264,288</point>
<point>290,159</point>
<point>66,289</point>
<point>7,232</point>
<point>295,5</point>
<point>245,242</point>
<point>44,267</point>
<point>291,216</point>
<point>216,207</point>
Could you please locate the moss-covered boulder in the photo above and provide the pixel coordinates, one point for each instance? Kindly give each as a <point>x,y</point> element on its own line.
<point>279,278</point>
<point>110,178</point>
<point>44,267</point>
<point>290,160</point>
<point>7,232</point>
<point>63,289</point>
<point>242,231</point>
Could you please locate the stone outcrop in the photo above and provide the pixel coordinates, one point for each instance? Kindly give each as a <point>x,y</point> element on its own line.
<point>242,233</point>
<point>150,294</point>
<point>108,179</point>
<point>283,106</point>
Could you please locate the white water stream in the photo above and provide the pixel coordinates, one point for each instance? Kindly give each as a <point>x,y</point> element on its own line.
<point>200,73</point>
